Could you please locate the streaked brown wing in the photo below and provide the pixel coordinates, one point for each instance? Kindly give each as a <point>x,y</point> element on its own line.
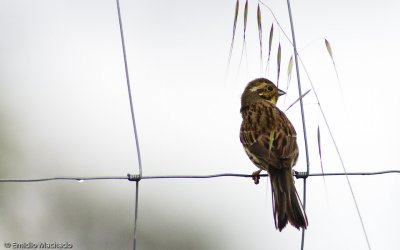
<point>267,134</point>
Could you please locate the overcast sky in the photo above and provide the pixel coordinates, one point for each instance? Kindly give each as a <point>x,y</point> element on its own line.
<point>64,111</point>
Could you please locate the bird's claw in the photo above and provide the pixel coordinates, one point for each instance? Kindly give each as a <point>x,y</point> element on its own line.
<point>256,176</point>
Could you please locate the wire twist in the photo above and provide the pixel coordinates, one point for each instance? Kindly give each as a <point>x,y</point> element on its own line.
<point>134,177</point>
<point>301,174</point>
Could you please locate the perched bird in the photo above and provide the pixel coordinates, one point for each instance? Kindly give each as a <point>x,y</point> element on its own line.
<point>269,140</point>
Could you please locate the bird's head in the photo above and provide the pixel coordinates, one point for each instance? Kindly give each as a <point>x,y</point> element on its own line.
<point>260,89</point>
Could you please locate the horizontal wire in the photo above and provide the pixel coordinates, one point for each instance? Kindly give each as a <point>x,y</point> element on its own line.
<point>65,178</point>
<point>131,177</point>
<point>358,173</point>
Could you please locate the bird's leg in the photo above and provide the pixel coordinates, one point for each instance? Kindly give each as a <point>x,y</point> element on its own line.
<point>256,176</point>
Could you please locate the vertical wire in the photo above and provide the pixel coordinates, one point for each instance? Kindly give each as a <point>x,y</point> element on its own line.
<point>303,232</point>
<point>133,123</point>
<point>129,89</point>
<point>299,87</point>
<point>136,214</point>
<point>302,115</point>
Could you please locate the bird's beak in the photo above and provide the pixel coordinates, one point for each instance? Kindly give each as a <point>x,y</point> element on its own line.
<point>281,92</point>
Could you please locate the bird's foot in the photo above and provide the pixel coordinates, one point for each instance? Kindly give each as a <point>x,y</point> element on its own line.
<point>256,176</point>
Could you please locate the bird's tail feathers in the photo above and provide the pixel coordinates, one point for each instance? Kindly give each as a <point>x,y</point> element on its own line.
<point>286,205</point>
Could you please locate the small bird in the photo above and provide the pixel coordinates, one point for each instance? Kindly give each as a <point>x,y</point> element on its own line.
<point>269,140</point>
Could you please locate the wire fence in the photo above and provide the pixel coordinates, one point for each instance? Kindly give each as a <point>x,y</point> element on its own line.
<point>139,177</point>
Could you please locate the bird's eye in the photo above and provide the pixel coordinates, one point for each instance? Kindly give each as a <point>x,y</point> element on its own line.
<point>270,88</point>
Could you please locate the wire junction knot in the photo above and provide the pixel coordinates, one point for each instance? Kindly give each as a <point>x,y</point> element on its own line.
<point>134,177</point>
<point>300,175</point>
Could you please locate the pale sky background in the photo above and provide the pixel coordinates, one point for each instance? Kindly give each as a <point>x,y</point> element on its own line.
<point>64,111</point>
